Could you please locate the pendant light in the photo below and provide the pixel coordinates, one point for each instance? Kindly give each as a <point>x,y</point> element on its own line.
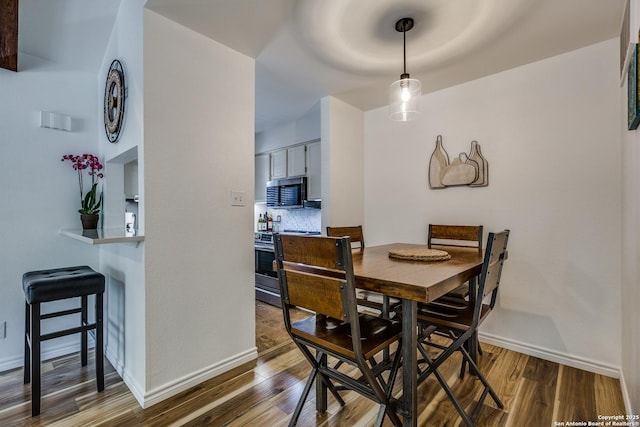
<point>404,94</point>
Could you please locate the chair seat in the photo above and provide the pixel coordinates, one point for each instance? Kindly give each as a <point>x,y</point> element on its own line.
<point>61,283</point>
<point>375,333</point>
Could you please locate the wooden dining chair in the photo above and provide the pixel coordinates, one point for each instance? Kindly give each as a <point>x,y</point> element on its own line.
<point>460,326</point>
<point>455,235</point>
<point>439,236</point>
<point>369,299</point>
<point>353,232</point>
<point>316,274</point>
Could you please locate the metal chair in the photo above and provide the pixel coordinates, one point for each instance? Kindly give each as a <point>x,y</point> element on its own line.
<point>316,273</point>
<point>455,235</point>
<point>460,326</point>
<point>440,236</point>
<point>369,299</point>
<point>354,233</point>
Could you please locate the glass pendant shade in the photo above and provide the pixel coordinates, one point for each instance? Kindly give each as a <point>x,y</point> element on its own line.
<point>404,94</point>
<point>404,98</point>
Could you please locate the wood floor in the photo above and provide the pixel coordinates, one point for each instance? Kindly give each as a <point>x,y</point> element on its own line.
<point>535,393</point>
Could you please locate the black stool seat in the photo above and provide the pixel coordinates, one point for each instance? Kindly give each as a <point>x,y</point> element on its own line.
<point>61,283</point>
<point>44,286</point>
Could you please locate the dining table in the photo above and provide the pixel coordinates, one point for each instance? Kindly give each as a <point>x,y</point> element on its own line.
<point>411,282</point>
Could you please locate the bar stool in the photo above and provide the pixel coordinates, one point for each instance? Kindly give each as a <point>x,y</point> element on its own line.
<point>53,285</point>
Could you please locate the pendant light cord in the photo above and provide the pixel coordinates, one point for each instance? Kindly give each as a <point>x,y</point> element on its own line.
<point>404,52</point>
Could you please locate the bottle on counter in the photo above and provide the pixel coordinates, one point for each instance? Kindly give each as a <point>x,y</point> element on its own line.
<point>260,223</point>
<point>269,223</point>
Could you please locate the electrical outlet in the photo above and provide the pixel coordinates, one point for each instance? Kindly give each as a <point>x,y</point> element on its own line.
<point>238,198</point>
<point>3,330</point>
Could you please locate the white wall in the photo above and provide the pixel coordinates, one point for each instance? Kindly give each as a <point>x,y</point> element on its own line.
<point>306,128</point>
<point>550,132</point>
<point>199,145</point>
<point>630,261</point>
<point>123,264</point>
<point>630,247</point>
<point>343,178</point>
<point>39,192</point>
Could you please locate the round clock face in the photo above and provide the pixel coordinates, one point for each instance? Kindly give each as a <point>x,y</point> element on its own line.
<point>114,95</point>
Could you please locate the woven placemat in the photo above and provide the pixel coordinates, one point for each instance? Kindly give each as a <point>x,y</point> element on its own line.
<point>419,254</point>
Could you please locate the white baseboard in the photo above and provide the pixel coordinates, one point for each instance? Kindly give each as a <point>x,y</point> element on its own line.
<point>172,388</point>
<point>159,393</point>
<point>118,364</point>
<point>552,355</point>
<point>625,396</point>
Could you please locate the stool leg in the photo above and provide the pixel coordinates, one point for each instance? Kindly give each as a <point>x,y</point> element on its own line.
<point>35,359</point>
<point>27,346</point>
<point>84,344</point>
<point>99,343</point>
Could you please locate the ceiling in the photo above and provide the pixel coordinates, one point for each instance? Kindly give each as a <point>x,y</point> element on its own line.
<point>308,49</point>
<point>73,33</point>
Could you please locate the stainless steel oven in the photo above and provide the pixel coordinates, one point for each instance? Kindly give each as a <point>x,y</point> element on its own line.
<point>264,261</point>
<point>267,287</point>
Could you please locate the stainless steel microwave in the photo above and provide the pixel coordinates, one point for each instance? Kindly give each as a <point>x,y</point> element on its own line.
<point>287,193</point>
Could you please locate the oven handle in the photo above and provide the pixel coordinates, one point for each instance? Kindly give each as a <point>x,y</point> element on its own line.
<point>265,249</point>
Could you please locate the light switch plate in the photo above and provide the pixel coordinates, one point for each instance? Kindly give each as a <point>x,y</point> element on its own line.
<point>238,198</point>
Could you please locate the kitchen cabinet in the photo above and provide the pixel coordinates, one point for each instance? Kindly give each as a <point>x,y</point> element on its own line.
<point>296,161</point>
<point>262,175</point>
<point>279,164</point>
<point>288,162</point>
<point>313,155</point>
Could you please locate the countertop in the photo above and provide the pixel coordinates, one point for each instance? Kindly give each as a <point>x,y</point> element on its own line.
<point>102,236</point>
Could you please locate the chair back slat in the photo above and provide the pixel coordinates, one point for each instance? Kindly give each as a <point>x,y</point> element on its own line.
<point>316,293</point>
<point>316,273</point>
<point>470,235</point>
<point>353,232</point>
<point>312,251</point>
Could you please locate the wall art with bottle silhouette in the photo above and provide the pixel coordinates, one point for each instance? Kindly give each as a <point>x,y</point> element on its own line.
<point>467,169</point>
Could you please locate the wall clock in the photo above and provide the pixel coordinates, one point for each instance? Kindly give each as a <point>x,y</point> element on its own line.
<point>114,96</point>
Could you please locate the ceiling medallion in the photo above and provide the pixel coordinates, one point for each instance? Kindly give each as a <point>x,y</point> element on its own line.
<point>114,100</point>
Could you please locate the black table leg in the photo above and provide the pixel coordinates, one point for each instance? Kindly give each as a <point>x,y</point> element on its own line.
<point>321,389</point>
<point>409,363</point>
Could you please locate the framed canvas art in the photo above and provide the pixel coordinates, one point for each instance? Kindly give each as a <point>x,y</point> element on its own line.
<point>626,45</point>
<point>632,93</point>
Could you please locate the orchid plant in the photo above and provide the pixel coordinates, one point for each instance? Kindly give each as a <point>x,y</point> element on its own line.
<point>90,202</point>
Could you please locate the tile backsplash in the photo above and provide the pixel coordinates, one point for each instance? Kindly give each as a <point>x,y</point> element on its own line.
<point>291,219</point>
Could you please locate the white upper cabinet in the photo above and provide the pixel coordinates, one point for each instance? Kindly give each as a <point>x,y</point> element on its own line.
<point>313,171</point>
<point>279,164</point>
<point>296,161</point>
<point>261,177</point>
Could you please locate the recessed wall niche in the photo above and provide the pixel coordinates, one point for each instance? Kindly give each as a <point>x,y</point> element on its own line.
<point>121,190</point>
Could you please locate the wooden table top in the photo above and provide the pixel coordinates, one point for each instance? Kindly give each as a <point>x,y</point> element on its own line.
<point>415,280</point>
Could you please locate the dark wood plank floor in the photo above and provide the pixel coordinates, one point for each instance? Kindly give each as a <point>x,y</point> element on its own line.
<point>535,393</point>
